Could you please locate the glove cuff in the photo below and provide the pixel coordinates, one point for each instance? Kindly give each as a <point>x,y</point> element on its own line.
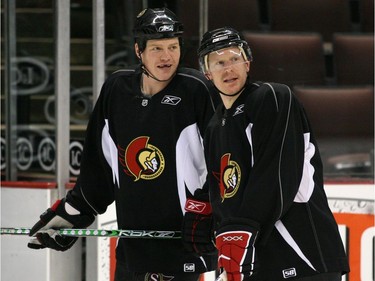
<point>65,206</point>
<point>198,207</point>
<point>65,209</point>
<point>78,203</point>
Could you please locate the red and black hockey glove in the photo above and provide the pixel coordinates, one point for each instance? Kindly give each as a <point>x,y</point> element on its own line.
<point>61,215</point>
<point>235,243</point>
<point>197,227</point>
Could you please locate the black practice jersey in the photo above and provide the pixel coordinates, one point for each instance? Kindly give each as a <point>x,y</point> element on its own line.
<point>264,166</point>
<point>146,153</point>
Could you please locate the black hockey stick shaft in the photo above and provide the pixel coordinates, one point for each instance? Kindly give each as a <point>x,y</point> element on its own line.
<point>120,233</point>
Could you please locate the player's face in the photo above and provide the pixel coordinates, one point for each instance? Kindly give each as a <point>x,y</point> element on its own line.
<point>228,69</point>
<point>161,57</point>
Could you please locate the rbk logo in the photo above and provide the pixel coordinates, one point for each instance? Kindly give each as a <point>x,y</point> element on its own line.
<point>239,109</point>
<point>197,207</point>
<point>166,28</point>
<point>171,100</point>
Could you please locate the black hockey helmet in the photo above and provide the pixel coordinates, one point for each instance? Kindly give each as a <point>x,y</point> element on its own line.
<point>218,39</point>
<point>156,23</point>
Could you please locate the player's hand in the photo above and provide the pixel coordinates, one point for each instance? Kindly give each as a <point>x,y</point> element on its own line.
<point>235,244</point>
<point>61,215</point>
<point>197,227</point>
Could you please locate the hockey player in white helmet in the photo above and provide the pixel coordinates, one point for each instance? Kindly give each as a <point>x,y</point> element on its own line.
<point>272,217</point>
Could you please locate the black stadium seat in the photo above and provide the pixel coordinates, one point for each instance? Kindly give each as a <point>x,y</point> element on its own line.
<point>289,58</point>
<point>342,119</point>
<point>366,8</point>
<point>353,56</point>
<point>322,16</point>
<point>244,14</point>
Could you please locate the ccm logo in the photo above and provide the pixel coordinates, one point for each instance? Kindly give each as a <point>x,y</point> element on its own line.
<point>290,272</point>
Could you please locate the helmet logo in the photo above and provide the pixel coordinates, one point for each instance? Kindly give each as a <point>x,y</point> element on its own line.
<point>166,28</point>
<point>220,38</point>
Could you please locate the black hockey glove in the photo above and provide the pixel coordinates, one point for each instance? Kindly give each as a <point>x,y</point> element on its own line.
<point>61,215</point>
<point>197,228</point>
<point>235,242</point>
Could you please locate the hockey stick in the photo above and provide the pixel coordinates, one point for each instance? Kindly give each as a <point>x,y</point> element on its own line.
<point>155,234</point>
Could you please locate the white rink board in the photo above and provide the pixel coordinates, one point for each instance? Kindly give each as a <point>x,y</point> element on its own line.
<point>22,208</point>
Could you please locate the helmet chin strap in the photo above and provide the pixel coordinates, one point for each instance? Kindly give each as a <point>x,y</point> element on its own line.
<point>232,95</point>
<point>149,74</point>
<point>228,95</point>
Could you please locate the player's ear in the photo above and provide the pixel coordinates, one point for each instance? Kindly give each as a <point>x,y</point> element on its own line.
<point>248,63</point>
<point>137,50</point>
<point>208,75</point>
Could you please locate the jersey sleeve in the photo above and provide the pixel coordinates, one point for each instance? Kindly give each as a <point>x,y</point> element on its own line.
<point>277,140</point>
<point>94,188</point>
<point>205,101</point>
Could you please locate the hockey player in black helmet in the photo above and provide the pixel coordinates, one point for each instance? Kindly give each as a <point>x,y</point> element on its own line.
<point>218,39</point>
<point>144,151</point>
<point>154,24</point>
<point>265,174</point>
<point>222,38</point>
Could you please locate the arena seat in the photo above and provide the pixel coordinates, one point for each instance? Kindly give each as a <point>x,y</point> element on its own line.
<point>353,56</point>
<point>244,14</point>
<point>322,16</point>
<point>342,119</point>
<point>289,58</point>
<point>366,10</point>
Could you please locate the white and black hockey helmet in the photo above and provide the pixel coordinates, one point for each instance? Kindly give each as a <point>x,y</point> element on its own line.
<point>218,39</point>
<point>158,23</point>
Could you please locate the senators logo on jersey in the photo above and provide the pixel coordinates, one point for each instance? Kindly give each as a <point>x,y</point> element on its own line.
<point>142,160</point>
<point>230,177</point>
<point>158,277</point>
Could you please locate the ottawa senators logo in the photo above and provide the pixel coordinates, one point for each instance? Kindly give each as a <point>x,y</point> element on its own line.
<point>141,159</point>
<point>158,277</point>
<point>230,177</point>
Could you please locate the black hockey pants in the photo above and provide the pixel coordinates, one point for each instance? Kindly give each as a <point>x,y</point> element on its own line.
<point>122,275</point>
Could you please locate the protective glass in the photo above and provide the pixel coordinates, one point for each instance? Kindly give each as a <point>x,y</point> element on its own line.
<point>223,59</point>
